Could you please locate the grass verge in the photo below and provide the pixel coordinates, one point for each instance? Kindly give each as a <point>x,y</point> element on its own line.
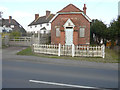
<point>110,57</point>
<point>27,51</point>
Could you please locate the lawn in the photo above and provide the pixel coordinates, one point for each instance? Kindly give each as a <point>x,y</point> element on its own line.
<point>110,56</point>
<point>27,51</point>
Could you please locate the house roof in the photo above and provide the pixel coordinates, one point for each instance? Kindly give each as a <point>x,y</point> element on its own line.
<point>6,22</point>
<point>42,20</point>
<point>70,8</point>
<point>17,26</point>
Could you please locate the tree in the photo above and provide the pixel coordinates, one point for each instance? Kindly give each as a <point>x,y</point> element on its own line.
<point>118,25</point>
<point>114,31</point>
<point>99,29</point>
<point>15,34</point>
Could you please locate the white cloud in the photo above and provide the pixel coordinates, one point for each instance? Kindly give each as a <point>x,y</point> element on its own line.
<point>21,14</point>
<point>3,9</point>
<point>24,18</point>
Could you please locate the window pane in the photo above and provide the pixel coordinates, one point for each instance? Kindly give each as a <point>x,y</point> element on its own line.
<point>47,24</point>
<point>57,32</point>
<point>12,26</point>
<point>82,32</point>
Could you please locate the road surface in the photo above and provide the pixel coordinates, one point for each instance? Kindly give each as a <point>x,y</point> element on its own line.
<point>19,71</point>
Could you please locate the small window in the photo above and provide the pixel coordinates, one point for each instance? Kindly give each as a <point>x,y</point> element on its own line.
<point>57,32</point>
<point>82,32</point>
<point>40,25</point>
<point>69,24</point>
<point>47,24</point>
<point>44,32</point>
<point>20,26</point>
<point>4,26</point>
<point>12,26</point>
<point>30,26</point>
<point>35,25</point>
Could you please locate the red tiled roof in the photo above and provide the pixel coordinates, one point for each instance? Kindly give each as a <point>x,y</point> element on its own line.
<point>70,8</point>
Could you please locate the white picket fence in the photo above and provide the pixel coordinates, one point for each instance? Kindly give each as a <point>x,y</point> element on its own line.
<point>70,50</point>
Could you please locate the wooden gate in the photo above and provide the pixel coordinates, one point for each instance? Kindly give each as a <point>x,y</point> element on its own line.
<point>21,41</point>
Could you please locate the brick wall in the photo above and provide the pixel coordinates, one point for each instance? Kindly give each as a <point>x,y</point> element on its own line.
<point>78,20</point>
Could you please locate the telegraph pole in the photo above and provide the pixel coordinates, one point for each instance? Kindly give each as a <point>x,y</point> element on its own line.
<point>1,14</point>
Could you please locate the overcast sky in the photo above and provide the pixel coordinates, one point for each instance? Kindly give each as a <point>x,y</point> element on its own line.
<point>24,10</point>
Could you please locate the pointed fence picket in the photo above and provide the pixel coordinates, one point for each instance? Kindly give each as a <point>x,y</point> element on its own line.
<point>70,50</point>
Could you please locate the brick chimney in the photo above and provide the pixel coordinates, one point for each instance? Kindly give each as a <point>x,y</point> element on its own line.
<point>10,19</point>
<point>47,13</point>
<point>36,16</point>
<point>84,9</point>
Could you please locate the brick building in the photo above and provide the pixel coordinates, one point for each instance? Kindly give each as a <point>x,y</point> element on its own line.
<point>70,26</point>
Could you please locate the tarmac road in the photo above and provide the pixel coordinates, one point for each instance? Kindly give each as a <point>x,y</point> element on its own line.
<point>51,73</point>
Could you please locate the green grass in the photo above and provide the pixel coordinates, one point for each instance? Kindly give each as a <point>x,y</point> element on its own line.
<point>27,51</point>
<point>110,57</point>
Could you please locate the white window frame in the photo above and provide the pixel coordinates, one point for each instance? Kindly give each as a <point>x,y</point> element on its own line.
<point>12,26</point>
<point>82,32</point>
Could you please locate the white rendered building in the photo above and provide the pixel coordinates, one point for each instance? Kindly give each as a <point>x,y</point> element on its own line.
<point>41,24</point>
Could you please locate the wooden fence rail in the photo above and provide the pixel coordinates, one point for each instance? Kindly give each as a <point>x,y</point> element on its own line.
<point>21,41</point>
<point>70,50</point>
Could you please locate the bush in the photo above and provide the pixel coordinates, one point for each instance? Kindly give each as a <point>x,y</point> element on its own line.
<point>15,34</point>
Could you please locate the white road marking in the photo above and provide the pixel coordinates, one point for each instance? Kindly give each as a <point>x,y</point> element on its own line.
<point>61,84</point>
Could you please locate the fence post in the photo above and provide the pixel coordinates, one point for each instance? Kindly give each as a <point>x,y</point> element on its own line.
<point>32,39</point>
<point>73,50</point>
<point>59,47</point>
<point>103,51</point>
<point>6,40</point>
<point>33,46</point>
<point>38,37</point>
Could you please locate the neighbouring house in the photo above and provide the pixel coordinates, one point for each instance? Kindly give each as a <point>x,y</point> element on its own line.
<point>70,26</point>
<point>4,29</point>
<point>41,24</point>
<point>10,25</point>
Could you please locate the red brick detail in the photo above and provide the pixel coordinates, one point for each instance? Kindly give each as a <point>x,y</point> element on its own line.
<point>62,38</point>
<point>78,20</point>
<point>75,37</point>
<point>70,8</point>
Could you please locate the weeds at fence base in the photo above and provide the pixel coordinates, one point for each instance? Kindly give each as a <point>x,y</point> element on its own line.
<point>110,57</point>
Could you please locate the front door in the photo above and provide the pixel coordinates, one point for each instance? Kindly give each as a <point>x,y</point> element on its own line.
<point>69,36</point>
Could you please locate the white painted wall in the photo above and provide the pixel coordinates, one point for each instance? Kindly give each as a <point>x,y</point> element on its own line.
<point>1,29</point>
<point>38,27</point>
<point>6,28</point>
